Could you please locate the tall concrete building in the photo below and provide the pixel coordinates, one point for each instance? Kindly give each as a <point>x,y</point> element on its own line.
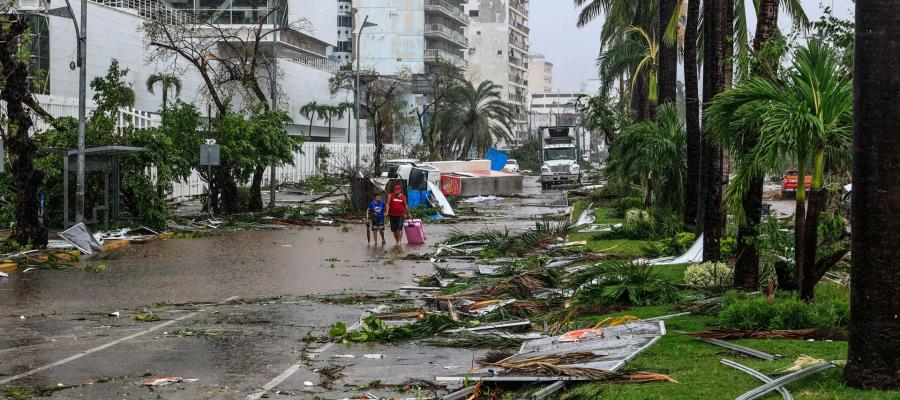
<point>114,32</point>
<point>411,34</point>
<point>498,50</point>
<point>342,52</point>
<point>540,74</point>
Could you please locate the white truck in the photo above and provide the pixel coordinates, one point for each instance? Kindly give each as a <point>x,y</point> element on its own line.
<point>559,156</point>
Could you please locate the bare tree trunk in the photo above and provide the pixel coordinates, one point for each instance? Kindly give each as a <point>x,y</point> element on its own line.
<point>692,119</point>
<point>256,203</point>
<point>717,33</point>
<point>667,73</point>
<point>746,268</point>
<point>874,357</point>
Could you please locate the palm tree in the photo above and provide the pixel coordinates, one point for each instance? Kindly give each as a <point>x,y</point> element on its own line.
<point>692,115</point>
<point>328,113</point>
<point>166,82</point>
<point>634,54</point>
<point>310,111</point>
<point>476,117</point>
<point>345,108</point>
<point>654,153</point>
<point>805,118</point>
<point>873,353</point>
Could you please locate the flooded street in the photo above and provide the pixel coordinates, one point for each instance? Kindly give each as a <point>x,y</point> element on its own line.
<point>235,312</point>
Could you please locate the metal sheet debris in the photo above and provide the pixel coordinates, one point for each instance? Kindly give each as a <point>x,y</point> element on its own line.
<point>553,388</point>
<point>741,349</point>
<point>785,394</point>
<point>489,327</point>
<point>561,201</point>
<point>691,256</point>
<point>615,347</point>
<point>770,386</point>
<point>81,238</point>
<point>587,216</point>
<point>460,394</point>
<point>446,208</point>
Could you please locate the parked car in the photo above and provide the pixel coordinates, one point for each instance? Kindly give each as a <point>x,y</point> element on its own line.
<point>789,183</point>
<point>511,165</point>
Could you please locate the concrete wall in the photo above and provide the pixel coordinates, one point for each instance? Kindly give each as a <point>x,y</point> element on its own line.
<point>398,42</point>
<point>115,34</point>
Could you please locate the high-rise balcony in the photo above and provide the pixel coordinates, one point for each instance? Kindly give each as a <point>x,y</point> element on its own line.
<point>448,9</point>
<point>443,32</point>
<point>432,55</point>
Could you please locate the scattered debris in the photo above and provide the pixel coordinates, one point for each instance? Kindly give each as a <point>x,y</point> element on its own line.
<point>597,357</point>
<point>785,394</point>
<point>163,381</point>
<point>373,356</point>
<point>693,255</point>
<point>79,236</point>
<point>561,201</point>
<point>587,216</point>
<point>547,391</point>
<point>483,199</point>
<point>4,275</point>
<point>745,334</point>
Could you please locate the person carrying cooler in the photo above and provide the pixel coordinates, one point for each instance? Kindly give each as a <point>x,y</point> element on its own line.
<point>397,209</point>
<point>375,212</point>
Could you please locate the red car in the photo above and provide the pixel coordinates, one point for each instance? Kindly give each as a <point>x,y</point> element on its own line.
<point>789,183</point>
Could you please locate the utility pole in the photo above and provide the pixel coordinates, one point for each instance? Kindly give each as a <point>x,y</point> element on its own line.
<point>358,43</point>
<point>274,75</point>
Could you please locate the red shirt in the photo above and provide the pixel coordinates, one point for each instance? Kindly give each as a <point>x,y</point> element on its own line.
<point>396,205</point>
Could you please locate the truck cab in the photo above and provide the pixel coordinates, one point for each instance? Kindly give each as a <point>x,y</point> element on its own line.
<point>559,156</point>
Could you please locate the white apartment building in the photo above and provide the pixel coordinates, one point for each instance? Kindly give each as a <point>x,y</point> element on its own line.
<point>411,34</point>
<point>114,32</point>
<point>540,74</point>
<point>498,50</point>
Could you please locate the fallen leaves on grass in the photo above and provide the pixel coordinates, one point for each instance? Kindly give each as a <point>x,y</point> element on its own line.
<point>724,334</point>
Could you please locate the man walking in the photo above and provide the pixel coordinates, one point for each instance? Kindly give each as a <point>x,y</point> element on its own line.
<point>397,209</point>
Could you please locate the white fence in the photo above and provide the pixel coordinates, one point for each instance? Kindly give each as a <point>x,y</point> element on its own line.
<point>60,107</point>
<point>304,165</point>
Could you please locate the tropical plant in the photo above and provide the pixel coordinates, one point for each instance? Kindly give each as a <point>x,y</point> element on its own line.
<point>345,108</point>
<point>311,111</point>
<point>166,82</point>
<point>475,118</point>
<point>623,283</point>
<point>806,117</point>
<point>328,113</point>
<point>653,153</point>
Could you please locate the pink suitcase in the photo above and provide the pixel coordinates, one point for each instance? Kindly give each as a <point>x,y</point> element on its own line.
<point>415,232</point>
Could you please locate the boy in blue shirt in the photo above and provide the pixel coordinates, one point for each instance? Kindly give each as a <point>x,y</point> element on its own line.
<point>375,212</point>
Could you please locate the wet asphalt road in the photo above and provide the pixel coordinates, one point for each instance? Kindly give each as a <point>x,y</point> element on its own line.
<point>235,314</point>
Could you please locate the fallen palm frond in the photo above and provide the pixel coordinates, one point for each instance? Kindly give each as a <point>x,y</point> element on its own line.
<point>560,365</point>
<point>801,362</point>
<point>615,321</point>
<point>495,356</point>
<point>374,330</point>
<point>506,243</point>
<point>744,334</point>
<point>330,374</point>
<point>478,342</point>
<point>623,283</point>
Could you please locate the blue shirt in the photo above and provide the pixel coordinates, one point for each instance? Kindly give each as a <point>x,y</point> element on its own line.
<point>376,211</point>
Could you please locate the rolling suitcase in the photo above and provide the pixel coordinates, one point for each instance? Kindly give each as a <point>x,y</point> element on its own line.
<point>415,232</point>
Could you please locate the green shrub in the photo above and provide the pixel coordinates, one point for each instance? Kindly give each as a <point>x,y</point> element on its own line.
<point>626,284</point>
<point>709,275</point>
<point>679,243</point>
<point>727,246</point>
<point>784,311</point>
<point>618,207</point>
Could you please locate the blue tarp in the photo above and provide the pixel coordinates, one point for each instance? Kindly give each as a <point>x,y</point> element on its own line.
<point>417,198</point>
<point>498,158</point>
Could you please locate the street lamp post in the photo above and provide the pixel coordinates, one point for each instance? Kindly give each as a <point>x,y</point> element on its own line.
<point>364,25</point>
<point>81,35</point>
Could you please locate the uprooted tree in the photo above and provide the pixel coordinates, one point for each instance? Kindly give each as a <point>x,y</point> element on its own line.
<point>234,62</point>
<point>382,103</point>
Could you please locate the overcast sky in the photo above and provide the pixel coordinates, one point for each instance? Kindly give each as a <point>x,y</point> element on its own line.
<point>573,51</point>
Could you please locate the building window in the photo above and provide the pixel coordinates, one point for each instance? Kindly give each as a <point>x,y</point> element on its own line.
<point>499,52</point>
<point>344,46</point>
<point>473,13</point>
<point>344,21</point>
